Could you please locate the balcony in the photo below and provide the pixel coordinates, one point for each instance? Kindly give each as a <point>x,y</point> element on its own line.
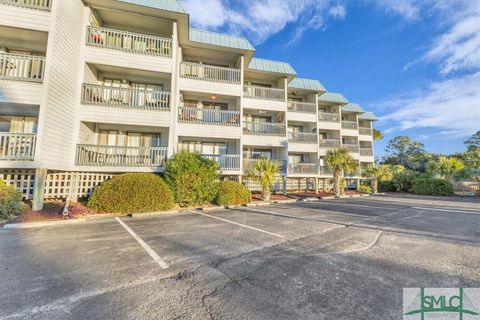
<point>328,117</point>
<point>17,146</point>
<point>209,116</point>
<point>303,168</point>
<point>302,137</point>
<point>227,162</point>
<point>365,131</point>
<point>352,148</point>
<point>263,93</point>
<point>32,4</point>
<point>325,171</point>
<point>368,152</point>
<point>205,72</point>
<point>21,67</point>
<point>329,143</point>
<point>249,164</point>
<point>130,98</point>
<point>120,156</point>
<point>137,43</point>
<point>264,128</point>
<point>349,125</point>
<point>304,107</point>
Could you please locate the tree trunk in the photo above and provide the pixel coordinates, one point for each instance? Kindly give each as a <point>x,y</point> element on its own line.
<point>336,182</point>
<point>266,194</point>
<point>375,185</point>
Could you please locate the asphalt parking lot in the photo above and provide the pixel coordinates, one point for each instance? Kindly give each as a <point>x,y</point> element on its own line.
<point>330,259</point>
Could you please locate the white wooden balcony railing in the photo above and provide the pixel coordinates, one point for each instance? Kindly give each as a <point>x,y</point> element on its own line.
<point>366,152</point>
<point>249,164</point>
<point>33,4</point>
<point>17,146</point>
<point>328,117</point>
<point>365,131</point>
<point>227,162</point>
<point>120,156</point>
<point>303,168</point>
<point>304,107</point>
<point>264,128</point>
<point>325,171</point>
<point>263,93</point>
<point>353,148</point>
<point>129,41</point>
<point>349,125</point>
<point>329,143</point>
<point>209,116</point>
<point>21,67</point>
<point>302,137</point>
<point>125,97</point>
<point>206,72</point>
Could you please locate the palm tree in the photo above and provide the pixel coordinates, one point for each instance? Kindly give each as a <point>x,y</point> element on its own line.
<point>265,171</point>
<point>374,173</point>
<point>377,134</point>
<point>340,161</point>
<point>446,167</point>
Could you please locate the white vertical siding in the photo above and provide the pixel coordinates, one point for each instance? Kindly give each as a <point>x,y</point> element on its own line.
<point>60,101</point>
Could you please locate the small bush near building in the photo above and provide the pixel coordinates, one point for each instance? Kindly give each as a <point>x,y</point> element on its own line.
<point>193,179</point>
<point>386,186</point>
<point>432,187</point>
<point>10,201</point>
<point>232,192</point>
<point>365,188</point>
<point>404,181</point>
<point>132,192</point>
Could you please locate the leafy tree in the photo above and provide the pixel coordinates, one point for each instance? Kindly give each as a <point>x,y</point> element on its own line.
<point>388,171</point>
<point>340,160</point>
<point>403,151</point>
<point>473,142</point>
<point>471,159</point>
<point>193,179</point>
<point>265,171</point>
<point>446,167</point>
<point>377,134</point>
<point>374,173</point>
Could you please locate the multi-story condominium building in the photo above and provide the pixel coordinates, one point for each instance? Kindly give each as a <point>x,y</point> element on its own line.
<point>94,88</point>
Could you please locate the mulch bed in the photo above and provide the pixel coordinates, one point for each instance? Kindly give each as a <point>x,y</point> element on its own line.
<point>53,211</point>
<point>256,196</point>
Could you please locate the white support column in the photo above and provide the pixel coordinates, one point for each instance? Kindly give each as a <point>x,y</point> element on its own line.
<point>174,93</point>
<point>39,188</point>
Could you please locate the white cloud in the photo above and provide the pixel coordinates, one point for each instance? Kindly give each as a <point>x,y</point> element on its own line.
<point>259,19</point>
<point>408,9</point>
<point>451,106</point>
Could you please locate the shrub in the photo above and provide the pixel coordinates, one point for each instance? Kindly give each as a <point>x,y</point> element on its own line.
<point>432,187</point>
<point>365,188</point>
<point>193,179</point>
<point>386,186</point>
<point>232,192</point>
<point>403,181</point>
<point>132,192</point>
<point>10,201</point>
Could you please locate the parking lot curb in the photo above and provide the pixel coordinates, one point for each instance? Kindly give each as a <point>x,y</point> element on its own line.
<point>327,197</point>
<point>27,225</point>
<point>154,213</point>
<point>214,208</point>
<point>259,203</point>
<point>285,201</point>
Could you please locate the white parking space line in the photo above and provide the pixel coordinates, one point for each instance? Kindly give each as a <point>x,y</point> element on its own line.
<point>145,246</point>
<point>239,224</point>
<point>448,210</point>
<point>353,205</point>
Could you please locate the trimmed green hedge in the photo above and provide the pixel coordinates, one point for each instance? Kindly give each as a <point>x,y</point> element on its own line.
<point>232,192</point>
<point>10,201</point>
<point>131,193</point>
<point>432,187</point>
<point>193,178</point>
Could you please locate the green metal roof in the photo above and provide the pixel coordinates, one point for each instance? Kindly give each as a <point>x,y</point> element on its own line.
<point>352,107</point>
<point>220,39</point>
<point>333,97</point>
<point>271,66</point>
<point>306,84</point>
<point>368,116</point>
<point>168,5</point>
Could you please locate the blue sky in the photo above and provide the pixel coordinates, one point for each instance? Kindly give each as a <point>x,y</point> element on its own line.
<point>416,64</point>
